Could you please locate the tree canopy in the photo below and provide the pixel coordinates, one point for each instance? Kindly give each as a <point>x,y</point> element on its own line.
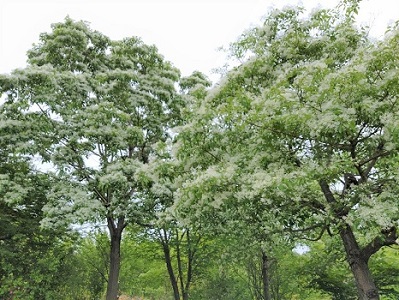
<point>302,135</point>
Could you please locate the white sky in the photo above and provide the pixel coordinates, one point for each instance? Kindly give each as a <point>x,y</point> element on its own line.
<point>186,32</point>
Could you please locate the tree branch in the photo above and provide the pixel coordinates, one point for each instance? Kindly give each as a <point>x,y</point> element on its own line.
<point>388,238</point>
<point>327,191</point>
<point>371,161</point>
<point>318,237</point>
<point>121,223</point>
<point>111,224</point>
<point>98,270</point>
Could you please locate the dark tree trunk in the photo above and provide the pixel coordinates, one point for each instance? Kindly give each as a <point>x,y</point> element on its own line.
<point>115,258</point>
<point>356,257</point>
<point>184,285</point>
<point>191,251</point>
<point>265,276</point>
<point>168,261</point>
<point>179,266</point>
<point>366,287</point>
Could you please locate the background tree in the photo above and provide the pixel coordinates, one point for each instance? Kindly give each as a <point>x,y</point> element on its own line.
<point>99,106</point>
<point>181,244</point>
<point>143,272</point>
<point>32,259</point>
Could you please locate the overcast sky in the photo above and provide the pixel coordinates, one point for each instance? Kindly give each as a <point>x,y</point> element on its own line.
<point>186,32</point>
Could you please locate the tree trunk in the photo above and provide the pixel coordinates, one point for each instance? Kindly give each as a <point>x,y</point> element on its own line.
<point>191,250</point>
<point>357,260</point>
<point>179,266</point>
<point>265,276</point>
<point>115,259</point>
<point>168,262</point>
<point>185,295</point>
<point>366,287</point>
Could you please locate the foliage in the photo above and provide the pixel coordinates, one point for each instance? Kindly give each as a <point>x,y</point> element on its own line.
<point>220,284</point>
<point>33,261</point>
<point>143,272</point>
<point>384,263</point>
<point>326,271</point>
<point>90,263</point>
<point>296,145</point>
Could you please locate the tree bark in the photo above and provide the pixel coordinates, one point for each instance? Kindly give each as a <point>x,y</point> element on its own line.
<point>191,250</point>
<point>358,262</point>
<point>265,276</point>
<point>366,287</point>
<point>179,266</point>
<point>115,258</point>
<point>168,261</point>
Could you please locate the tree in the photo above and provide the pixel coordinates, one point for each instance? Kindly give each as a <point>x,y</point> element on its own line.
<point>181,243</point>
<point>305,127</point>
<point>98,106</point>
<point>203,149</point>
<point>31,258</point>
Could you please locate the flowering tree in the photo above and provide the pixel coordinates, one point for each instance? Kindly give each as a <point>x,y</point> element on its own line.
<point>97,106</point>
<point>302,135</point>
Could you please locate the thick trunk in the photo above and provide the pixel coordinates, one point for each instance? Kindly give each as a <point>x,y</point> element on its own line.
<point>366,287</point>
<point>357,259</point>
<point>115,261</point>
<point>265,277</point>
<point>169,266</point>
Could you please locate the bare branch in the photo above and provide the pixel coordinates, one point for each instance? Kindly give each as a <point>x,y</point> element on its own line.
<point>323,227</point>
<point>327,191</point>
